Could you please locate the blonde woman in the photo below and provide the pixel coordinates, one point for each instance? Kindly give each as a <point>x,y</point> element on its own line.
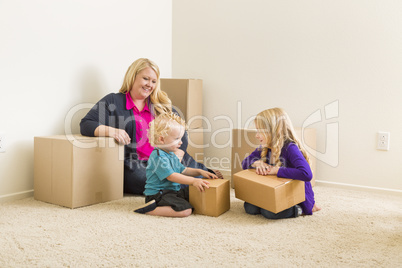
<point>126,115</point>
<point>280,154</point>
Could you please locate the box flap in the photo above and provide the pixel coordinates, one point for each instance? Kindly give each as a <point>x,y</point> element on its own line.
<point>273,181</point>
<point>216,182</point>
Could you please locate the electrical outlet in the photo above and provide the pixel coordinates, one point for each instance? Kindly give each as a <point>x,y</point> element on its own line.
<point>2,142</point>
<point>383,140</point>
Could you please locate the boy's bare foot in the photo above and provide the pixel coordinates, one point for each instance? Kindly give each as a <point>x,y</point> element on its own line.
<point>316,208</point>
<point>218,173</point>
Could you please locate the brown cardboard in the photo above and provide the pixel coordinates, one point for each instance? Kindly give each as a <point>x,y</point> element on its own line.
<point>196,144</point>
<point>214,201</point>
<point>186,96</point>
<point>268,192</point>
<point>76,171</point>
<point>244,143</point>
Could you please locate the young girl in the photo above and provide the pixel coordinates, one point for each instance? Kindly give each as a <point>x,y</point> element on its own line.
<point>280,154</point>
<point>165,173</point>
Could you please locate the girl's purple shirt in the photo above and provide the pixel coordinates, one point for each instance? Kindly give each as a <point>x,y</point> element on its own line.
<point>294,166</point>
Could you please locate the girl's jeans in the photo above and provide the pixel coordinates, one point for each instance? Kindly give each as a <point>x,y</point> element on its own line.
<point>254,210</point>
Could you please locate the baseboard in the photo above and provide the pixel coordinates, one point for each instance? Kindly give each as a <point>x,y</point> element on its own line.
<point>16,196</point>
<point>226,174</point>
<point>359,187</point>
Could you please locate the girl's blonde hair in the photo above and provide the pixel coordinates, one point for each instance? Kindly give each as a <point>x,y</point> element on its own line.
<point>161,126</point>
<point>159,99</point>
<point>278,130</point>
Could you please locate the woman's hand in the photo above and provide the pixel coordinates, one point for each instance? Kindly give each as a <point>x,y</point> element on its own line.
<point>120,135</point>
<point>218,174</point>
<point>208,175</point>
<point>200,184</point>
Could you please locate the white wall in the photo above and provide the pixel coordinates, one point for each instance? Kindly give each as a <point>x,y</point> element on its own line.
<point>302,56</point>
<point>299,55</point>
<point>57,54</point>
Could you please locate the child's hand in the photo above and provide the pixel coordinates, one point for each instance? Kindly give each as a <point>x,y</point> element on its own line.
<point>208,175</point>
<point>273,170</point>
<point>266,170</point>
<point>261,168</point>
<point>200,184</point>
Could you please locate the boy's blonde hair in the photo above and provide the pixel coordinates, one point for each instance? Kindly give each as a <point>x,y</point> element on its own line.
<point>159,99</point>
<point>161,126</point>
<point>278,130</point>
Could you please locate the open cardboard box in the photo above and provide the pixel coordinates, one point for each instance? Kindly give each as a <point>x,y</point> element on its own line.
<point>75,171</point>
<point>268,192</point>
<point>214,201</point>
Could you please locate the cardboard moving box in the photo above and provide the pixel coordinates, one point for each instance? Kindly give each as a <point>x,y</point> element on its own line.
<point>268,192</point>
<point>77,171</point>
<point>213,201</point>
<point>196,146</point>
<point>186,95</point>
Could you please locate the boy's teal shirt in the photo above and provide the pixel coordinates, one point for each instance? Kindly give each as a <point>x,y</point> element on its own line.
<point>161,165</point>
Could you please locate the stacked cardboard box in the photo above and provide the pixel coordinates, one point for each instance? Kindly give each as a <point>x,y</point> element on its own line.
<point>213,201</point>
<point>76,171</point>
<point>186,95</point>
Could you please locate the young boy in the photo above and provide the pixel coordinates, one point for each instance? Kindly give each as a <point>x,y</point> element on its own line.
<point>165,173</point>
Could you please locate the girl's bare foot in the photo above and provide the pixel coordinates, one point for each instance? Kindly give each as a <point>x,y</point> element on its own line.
<point>316,208</point>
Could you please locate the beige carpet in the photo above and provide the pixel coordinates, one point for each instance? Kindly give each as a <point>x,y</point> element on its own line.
<point>354,229</point>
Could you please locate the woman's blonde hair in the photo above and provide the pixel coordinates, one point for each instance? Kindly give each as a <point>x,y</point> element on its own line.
<point>278,130</point>
<point>161,126</point>
<point>159,99</point>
